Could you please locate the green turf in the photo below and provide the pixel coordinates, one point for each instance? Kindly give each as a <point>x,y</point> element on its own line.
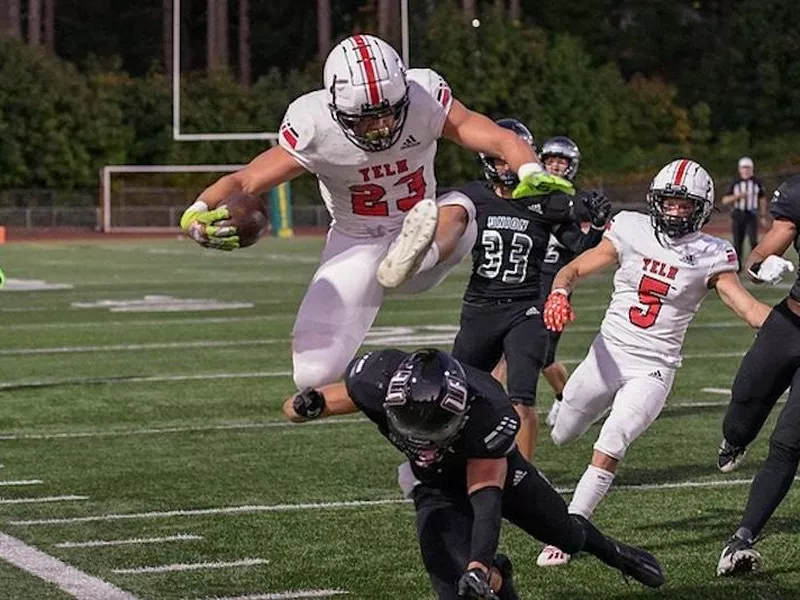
<point>67,370</point>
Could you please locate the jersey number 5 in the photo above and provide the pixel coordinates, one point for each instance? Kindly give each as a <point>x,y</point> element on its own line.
<point>651,293</point>
<point>367,198</point>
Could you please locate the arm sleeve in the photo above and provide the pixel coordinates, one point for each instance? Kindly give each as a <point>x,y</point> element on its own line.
<point>725,259</point>
<point>573,237</point>
<point>487,504</point>
<point>296,134</point>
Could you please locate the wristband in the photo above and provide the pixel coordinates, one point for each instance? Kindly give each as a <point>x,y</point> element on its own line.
<point>529,168</point>
<point>563,291</point>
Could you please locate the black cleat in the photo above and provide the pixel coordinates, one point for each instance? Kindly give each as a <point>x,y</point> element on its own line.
<point>640,565</point>
<point>730,457</point>
<point>738,557</point>
<point>503,565</point>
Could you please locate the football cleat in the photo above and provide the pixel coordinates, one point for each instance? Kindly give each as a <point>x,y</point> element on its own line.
<point>640,565</point>
<point>550,556</point>
<point>730,457</point>
<point>503,565</point>
<point>553,414</point>
<point>410,246</point>
<point>738,557</point>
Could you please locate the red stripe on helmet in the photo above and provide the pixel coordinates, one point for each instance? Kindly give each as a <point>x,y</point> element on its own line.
<point>681,172</point>
<point>369,69</point>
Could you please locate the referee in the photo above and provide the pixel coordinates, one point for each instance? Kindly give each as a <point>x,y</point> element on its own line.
<point>746,194</point>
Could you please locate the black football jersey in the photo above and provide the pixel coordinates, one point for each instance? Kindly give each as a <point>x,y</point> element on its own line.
<point>785,204</point>
<point>513,236</point>
<point>489,432</point>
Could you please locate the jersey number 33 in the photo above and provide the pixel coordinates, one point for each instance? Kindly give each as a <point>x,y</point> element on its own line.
<point>513,264</point>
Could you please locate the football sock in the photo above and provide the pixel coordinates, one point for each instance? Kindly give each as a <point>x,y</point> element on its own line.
<point>430,260</point>
<point>769,487</point>
<point>591,489</point>
<point>598,544</point>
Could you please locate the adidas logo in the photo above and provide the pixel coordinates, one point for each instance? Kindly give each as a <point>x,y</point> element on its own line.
<point>688,259</point>
<point>409,142</point>
<point>655,375</point>
<point>537,208</point>
<point>532,311</point>
<point>519,475</point>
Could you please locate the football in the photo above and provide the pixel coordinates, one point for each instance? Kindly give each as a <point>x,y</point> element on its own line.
<point>248,215</point>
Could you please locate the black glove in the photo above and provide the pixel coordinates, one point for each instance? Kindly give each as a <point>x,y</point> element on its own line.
<point>599,208</point>
<point>309,403</point>
<point>474,585</point>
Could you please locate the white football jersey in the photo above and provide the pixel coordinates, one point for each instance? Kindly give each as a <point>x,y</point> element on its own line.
<point>659,288</point>
<point>368,193</point>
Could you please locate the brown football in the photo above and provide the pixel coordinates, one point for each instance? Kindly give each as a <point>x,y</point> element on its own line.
<point>248,215</point>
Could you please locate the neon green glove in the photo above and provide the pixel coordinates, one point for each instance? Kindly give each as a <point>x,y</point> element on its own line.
<point>2,278</point>
<point>536,182</point>
<point>199,224</point>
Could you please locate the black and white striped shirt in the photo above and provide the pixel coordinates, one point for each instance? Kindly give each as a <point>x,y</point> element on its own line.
<point>752,190</point>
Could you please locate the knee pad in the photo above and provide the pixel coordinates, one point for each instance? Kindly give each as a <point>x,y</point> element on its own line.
<point>316,362</point>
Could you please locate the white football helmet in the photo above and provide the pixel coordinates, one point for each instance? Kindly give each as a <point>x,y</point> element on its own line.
<point>365,79</point>
<point>684,179</point>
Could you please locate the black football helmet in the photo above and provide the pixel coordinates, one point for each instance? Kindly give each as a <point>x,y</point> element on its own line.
<point>508,179</point>
<point>426,401</point>
<point>564,147</point>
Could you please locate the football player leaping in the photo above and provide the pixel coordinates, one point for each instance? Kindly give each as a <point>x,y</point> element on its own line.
<point>370,138</point>
<point>666,267</point>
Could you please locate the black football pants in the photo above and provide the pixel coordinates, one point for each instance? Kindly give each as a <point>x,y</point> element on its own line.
<point>744,223</point>
<point>770,367</point>
<point>515,328</point>
<point>444,524</point>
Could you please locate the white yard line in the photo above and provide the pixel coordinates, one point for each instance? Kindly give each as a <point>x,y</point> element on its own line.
<point>43,499</point>
<point>287,595</point>
<point>138,347</point>
<point>239,426</point>
<point>272,508</point>
<point>20,482</point>
<point>713,390</point>
<point>245,562</point>
<point>180,537</point>
<point>162,430</point>
<point>148,379</point>
<point>76,583</point>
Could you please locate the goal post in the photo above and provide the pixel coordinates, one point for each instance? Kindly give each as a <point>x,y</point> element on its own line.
<point>151,207</point>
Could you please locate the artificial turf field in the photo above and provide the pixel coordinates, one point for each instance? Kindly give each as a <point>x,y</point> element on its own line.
<point>133,423</point>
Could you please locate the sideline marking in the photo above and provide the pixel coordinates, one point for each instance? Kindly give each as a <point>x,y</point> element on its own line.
<point>245,562</point>
<point>76,583</point>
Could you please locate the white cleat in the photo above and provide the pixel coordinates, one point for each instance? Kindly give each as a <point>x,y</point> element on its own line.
<point>410,246</point>
<point>553,414</point>
<point>550,556</point>
<point>738,557</point>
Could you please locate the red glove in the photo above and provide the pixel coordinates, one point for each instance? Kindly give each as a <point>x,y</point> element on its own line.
<point>557,310</point>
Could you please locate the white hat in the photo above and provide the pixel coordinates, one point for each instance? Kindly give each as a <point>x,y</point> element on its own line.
<point>745,161</point>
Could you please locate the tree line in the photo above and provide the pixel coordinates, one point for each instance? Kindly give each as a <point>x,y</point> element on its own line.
<point>597,72</point>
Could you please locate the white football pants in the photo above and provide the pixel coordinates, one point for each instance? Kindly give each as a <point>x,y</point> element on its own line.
<point>344,296</point>
<point>633,387</point>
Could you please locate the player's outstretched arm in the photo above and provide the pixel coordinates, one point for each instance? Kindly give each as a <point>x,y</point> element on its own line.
<point>591,261</point>
<point>327,401</point>
<point>265,171</point>
<point>476,132</point>
<point>776,241</point>
<point>739,300</point>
